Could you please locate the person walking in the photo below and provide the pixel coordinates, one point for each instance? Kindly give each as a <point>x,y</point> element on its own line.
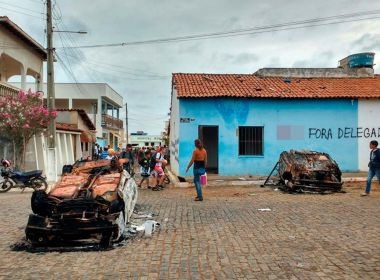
<point>96,152</point>
<point>104,154</point>
<point>199,159</point>
<point>111,154</point>
<point>159,164</point>
<point>145,169</point>
<point>374,166</point>
<point>140,154</point>
<point>128,153</point>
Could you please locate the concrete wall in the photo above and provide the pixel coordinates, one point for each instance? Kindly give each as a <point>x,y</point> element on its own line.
<point>311,124</point>
<point>68,151</point>
<point>30,60</point>
<point>62,103</point>
<point>68,117</point>
<point>174,133</point>
<point>140,140</point>
<point>85,105</point>
<point>369,129</point>
<point>83,91</point>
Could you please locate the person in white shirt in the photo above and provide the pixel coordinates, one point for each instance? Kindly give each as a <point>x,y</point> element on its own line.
<point>159,169</point>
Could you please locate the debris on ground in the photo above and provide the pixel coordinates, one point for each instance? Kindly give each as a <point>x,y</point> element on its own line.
<point>135,230</point>
<point>306,171</point>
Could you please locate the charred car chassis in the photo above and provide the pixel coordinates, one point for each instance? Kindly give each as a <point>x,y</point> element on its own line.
<point>307,171</point>
<point>94,201</point>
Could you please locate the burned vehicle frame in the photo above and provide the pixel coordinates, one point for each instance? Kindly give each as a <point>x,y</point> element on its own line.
<point>306,171</point>
<point>93,202</point>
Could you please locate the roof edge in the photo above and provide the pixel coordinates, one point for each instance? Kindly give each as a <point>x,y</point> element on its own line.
<point>21,32</point>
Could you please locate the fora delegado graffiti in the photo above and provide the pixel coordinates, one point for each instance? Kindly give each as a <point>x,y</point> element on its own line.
<point>344,133</point>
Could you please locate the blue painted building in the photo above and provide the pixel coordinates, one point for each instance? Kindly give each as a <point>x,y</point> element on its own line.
<point>246,121</point>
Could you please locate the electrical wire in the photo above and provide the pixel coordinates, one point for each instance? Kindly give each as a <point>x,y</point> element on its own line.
<point>67,40</point>
<point>67,69</point>
<point>249,31</point>
<point>239,32</point>
<point>19,7</point>
<point>111,66</point>
<point>19,12</point>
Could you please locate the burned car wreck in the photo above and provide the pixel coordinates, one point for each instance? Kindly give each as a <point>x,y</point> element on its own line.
<point>307,171</point>
<point>93,202</point>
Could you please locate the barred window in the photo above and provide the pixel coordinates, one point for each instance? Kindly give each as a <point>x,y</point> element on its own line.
<point>251,140</point>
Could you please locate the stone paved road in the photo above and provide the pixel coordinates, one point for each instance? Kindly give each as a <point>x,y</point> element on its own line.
<point>224,237</point>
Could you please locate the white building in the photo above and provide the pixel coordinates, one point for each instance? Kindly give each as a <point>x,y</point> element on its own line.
<point>145,140</point>
<point>75,138</point>
<point>22,56</point>
<point>101,103</point>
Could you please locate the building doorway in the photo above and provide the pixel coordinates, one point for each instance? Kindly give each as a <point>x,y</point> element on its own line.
<point>209,135</point>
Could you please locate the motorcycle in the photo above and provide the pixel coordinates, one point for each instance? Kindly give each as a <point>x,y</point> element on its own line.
<point>17,179</point>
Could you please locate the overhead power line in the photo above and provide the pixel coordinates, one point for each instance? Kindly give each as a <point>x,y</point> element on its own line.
<point>20,7</point>
<point>102,68</point>
<point>22,13</point>
<point>253,30</point>
<point>122,69</point>
<point>238,32</point>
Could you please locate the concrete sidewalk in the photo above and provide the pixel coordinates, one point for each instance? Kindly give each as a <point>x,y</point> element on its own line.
<point>216,180</point>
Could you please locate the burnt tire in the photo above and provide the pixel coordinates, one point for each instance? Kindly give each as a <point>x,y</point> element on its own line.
<point>106,240</point>
<point>38,241</point>
<point>39,184</point>
<point>39,203</point>
<point>5,186</point>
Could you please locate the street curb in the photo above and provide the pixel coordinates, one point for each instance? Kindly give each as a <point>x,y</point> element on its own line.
<point>173,179</point>
<point>216,182</point>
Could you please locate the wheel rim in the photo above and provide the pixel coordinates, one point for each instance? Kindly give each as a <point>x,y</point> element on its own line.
<point>40,184</point>
<point>5,185</point>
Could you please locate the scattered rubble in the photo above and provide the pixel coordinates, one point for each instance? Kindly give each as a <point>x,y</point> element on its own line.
<point>264,209</point>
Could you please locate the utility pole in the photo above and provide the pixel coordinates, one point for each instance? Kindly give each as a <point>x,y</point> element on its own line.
<point>51,152</point>
<point>126,121</point>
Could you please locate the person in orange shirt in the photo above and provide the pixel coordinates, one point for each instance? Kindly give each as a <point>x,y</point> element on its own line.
<point>199,159</point>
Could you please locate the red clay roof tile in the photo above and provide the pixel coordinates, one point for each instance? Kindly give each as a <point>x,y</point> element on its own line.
<point>252,86</point>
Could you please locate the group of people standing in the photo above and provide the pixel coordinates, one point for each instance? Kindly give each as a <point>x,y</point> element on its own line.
<point>152,165</point>
<point>152,162</point>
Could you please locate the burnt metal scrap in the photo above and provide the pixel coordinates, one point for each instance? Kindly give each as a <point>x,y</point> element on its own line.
<point>310,171</point>
<point>93,202</point>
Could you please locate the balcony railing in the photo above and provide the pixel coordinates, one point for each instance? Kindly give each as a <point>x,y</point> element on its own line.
<point>8,90</point>
<point>111,122</point>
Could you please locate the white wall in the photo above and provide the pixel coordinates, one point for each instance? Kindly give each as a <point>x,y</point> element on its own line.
<point>174,133</point>
<point>140,140</point>
<point>22,52</point>
<point>67,151</point>
<point>368,117</point>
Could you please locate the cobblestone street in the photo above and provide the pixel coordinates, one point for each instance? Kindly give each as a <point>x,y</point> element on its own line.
<point>224,237</point>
